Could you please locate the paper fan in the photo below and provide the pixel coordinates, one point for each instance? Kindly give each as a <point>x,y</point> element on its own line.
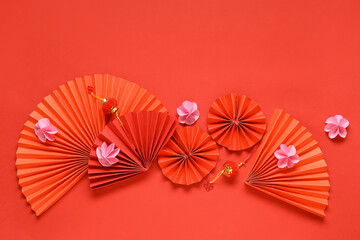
<point>236,122</point>
<point>189,156</point>
<point>46,171</point>
<point>305,185</point>
<point>140,139</point>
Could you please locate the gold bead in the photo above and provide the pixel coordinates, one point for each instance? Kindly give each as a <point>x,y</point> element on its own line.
<point>114,109</point>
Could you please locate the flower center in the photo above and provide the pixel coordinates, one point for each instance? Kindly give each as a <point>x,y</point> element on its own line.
<point>187,155</point>
<point>237,122</point>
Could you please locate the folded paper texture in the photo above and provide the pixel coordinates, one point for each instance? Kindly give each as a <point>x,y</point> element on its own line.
<point>106,155</point>
<point>236,122</point>
<point>140,138</point>
<point>189,156</point>
<point>46,171</point>
<point>306,184</point>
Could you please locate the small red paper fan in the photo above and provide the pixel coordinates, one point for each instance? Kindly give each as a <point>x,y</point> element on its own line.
<point>189,156</point>
<point>305,185</point>
<point>236,122</point>
<point>140,139</point>
<point>46,171</point>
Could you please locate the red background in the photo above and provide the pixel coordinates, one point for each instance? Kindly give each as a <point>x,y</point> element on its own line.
<point>302,56</point>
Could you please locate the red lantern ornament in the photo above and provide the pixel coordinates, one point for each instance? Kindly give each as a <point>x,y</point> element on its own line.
<point>229,169</point>
<point>109,105</point>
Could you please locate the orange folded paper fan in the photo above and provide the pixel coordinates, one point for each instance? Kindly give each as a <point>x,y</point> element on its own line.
<point>236,122</point>
<point>140,138</point>
<point>189,156</point>
<point>306,184</point>
<point>46,171</point>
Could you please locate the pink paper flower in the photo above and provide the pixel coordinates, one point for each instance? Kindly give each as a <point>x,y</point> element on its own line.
<point>44,130</point>
<point>107,154</point>
<point>336,125</point>
<point>287,156</point>
<point>188,113</point>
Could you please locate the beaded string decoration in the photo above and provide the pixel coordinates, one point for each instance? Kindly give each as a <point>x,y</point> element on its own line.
<point>229,169</point>
<point>109,105</point>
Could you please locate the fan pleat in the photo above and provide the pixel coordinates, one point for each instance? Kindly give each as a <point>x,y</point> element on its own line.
<point>140,139</point>
<point>306,185</point>
<point>46,171</point>
<point>236,122</point>
<point>117,135</point>
<point>188,156</point>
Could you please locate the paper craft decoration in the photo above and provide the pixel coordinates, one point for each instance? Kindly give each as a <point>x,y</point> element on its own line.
<point>188,113</point>
<point>286,156</point>
<point>140,138</point>
<point>336,126</point>
<point>236,122</point>
<point>44,131</point>
<point>46,171</point>
<point>106,155</point>
<point>189,156</point>
<point>305,185</point>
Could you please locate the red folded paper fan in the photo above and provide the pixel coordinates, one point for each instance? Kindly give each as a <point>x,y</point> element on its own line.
<point>46,171</point>
<point>140,138</point>
<point>305,185</point>
<point>236,122</point>
<point>189,156</point>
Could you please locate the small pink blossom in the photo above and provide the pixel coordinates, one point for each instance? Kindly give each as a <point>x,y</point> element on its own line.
<point>287,156</point>
<point>188,113</point>
<point>336,125</point>
<point>44,130</point>
<point>107,154</point>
